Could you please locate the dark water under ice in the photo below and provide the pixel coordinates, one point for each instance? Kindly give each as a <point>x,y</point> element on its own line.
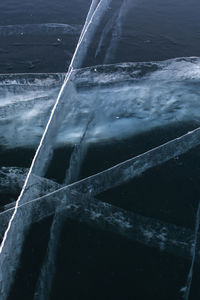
<point>39,37</point>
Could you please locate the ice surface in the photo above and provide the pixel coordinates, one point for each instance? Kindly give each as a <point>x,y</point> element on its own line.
<point>72,175</point>
<point>116,31</point>
<point>114,80</point>
<point>145,230</point>
<point>14,234</point>
<point>129,99</point>
<point>195,253</point>
<point>135,166</point>
<point>153,233</point>
<point>26,46</point>
<point>41,29</point>
<point>95,14</point>
<point>83,207</point>
<point>12,179</point>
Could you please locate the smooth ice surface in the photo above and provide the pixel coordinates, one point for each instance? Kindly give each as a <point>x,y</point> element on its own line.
<point>39,29</point>
<point>23,47</point>
<point>130,98</point>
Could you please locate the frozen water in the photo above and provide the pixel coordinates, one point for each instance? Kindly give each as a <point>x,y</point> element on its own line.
<point>14,234</point>
<point>12,179</point>
<point>116,31</point>
<point>129,169</point>
<point>129,99</point>
<point>41,29</point>
<point>154,233</point>
<point>123,172</point>
<point>72,175</point>
<point>157,235</point>
<point>195,253</point>
<point>120,88</point>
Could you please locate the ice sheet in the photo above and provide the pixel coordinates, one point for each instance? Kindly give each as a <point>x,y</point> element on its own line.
<point>15,231</point>
<point>151,232</point>
<point>129,99</point>
<point>39,29</point>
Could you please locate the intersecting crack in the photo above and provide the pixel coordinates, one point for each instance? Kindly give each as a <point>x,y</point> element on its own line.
<point>84,207</point>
